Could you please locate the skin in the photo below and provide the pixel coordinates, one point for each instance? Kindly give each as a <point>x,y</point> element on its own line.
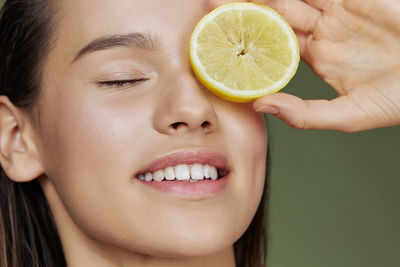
<point>92,139</point>
<point>353,46</point>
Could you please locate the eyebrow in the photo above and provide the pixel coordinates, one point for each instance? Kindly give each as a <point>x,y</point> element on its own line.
<point>135,39</point>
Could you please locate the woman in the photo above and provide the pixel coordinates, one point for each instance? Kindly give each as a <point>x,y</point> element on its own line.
<point>98,99</point>
<point>116,103</point>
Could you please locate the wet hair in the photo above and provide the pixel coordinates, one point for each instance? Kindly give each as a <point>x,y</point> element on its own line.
<point>28,233</point>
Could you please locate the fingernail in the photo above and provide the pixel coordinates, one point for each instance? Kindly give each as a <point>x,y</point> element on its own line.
<point>268,109</point>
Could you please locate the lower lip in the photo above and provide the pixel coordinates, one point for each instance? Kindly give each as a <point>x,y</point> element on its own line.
<point>196,190</point>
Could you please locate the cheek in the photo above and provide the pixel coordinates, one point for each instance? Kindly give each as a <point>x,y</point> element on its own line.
<point>83,134</point>
<point>90,151</point>
<point>247,136</point>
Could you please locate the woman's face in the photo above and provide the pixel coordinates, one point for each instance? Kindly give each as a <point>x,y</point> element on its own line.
<point>96,136</point>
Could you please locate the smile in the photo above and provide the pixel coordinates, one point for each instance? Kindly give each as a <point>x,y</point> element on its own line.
<point>192,174</point>
<point>184,172</point>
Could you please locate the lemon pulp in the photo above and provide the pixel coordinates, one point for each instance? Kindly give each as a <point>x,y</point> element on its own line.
<point>242,51</point>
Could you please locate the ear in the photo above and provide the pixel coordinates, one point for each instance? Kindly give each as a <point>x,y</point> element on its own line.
<point>19,155</point>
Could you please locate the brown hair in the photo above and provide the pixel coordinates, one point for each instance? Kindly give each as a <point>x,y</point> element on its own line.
<point>28,233</point>
<point>251,248</point>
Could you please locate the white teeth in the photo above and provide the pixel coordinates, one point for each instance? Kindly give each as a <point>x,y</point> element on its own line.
<point>148,177</point>
<point>182,172</point>
<point>158,175</point>
<point>169,173</point>
<point>197,172</point>
<point>214,173</point>
<point>207,171</point>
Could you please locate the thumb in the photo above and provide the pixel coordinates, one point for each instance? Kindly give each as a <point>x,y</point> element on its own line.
<point>338,114</point>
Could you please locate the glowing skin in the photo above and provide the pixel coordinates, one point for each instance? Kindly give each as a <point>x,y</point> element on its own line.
<point>93,139</point>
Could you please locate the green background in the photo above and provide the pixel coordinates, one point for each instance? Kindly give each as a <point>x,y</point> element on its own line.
<point>335,196</point>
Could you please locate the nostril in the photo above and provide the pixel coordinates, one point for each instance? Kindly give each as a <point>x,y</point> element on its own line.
<point>177,124</point>
<point>205,124</point>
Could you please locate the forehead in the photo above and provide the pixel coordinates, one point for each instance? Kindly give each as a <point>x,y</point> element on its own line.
<point>79,22</point>
<point>84,20</point>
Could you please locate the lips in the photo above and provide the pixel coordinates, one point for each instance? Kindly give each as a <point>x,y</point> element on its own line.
<point>188,188</point>
<point>188,157</point>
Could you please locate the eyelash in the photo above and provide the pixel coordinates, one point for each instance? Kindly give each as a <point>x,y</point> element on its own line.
<point>121,83</point>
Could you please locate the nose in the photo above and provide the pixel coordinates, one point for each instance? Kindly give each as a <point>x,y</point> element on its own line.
<point>184,106</point>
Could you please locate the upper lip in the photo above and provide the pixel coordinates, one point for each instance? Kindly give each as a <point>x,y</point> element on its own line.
<point>200,156</point>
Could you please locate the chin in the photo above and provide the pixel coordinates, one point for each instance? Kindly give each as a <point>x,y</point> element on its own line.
<point>196,242</point>
<point>185,242</point>
<point>192,249</point>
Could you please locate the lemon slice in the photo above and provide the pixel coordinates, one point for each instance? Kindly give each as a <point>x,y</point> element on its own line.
<point>242,51</point>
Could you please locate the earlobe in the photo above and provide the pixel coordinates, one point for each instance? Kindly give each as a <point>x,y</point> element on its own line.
<point>19,155</point>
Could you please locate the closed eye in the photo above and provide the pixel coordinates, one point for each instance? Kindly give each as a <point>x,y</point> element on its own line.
<point>121,83</point>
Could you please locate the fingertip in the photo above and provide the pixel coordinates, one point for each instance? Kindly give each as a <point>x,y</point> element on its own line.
<point>216,3</point>
<point>269,109</point>
<point>271,3</point>
<point>272,104</point>
<point>279,100</point>
<point>287,107</point>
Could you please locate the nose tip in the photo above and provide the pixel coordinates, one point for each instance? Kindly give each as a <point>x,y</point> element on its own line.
<point>185,107</point>
<point>188,116</point>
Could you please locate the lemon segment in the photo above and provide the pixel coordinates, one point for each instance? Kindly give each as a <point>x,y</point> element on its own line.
<point>242,51</point>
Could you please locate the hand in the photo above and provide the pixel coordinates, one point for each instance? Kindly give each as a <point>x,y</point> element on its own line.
<point>354,46</point>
